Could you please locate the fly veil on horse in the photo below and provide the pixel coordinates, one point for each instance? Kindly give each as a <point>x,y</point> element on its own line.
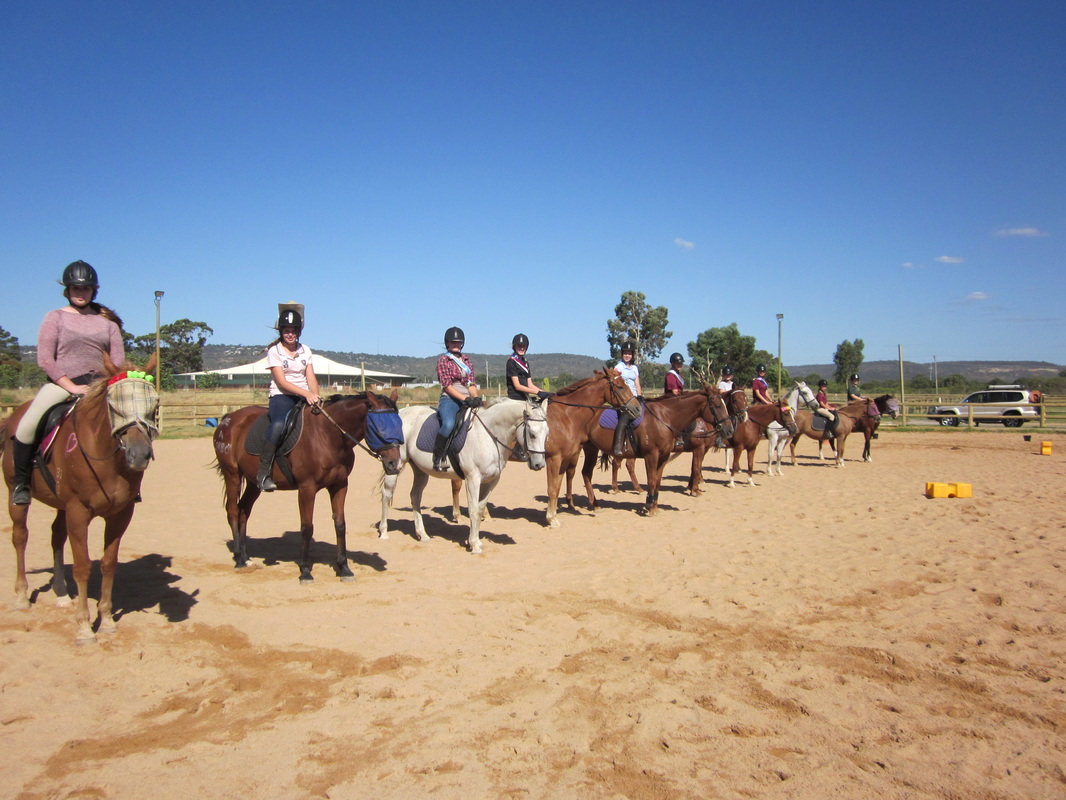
<point>317,452</point>
<point>90,464</point>
<point>483,445</point>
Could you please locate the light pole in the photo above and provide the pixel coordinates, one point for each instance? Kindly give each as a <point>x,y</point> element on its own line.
<point>158,297</point>
<point>779,318</point>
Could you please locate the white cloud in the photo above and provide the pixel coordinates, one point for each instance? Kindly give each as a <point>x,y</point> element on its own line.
<point>908,264</point>
<point>1028,231</point>
<point>950,259</point>
<point>684,244</point>
<point>977,297</point>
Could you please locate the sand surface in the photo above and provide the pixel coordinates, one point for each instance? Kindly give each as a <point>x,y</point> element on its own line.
<point>828,634</point>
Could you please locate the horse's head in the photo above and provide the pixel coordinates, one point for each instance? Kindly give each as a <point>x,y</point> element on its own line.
<point>737,403</point>
<point>384,430</point>
<point>618,393</point>
<point>133,407</point>
<point>888,404</point>
<point>786,417</point>
<point>533,432</point>
<point>806,396</point>
<point>719,413</point>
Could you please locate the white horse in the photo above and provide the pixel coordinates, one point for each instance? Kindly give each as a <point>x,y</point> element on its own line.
<point>778,436</point>
<point>491,433</point>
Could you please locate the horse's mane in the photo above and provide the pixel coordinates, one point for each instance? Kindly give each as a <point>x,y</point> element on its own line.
<point>579,384</point>
<point>359,397</point>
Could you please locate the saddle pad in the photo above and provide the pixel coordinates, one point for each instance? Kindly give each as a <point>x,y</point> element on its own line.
<point>427,434</point>
<point>818,422</point>
<point>253,442</point>
<point>609,418</point>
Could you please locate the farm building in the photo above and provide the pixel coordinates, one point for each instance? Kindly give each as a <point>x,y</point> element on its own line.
<point>332,376</point>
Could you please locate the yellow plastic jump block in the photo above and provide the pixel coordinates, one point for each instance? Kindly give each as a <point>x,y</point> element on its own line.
<point>1045,448</point>
<point>948,490</point>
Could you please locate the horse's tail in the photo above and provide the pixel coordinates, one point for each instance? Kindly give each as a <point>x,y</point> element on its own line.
<point>3,434</point>
<point>379,483</point>
<point>605,461</point>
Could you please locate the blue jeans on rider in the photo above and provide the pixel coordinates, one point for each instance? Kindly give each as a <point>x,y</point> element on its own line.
<point>278,410</point>
<point>447,408</point>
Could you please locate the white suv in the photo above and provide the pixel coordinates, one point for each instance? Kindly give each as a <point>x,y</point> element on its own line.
<point>1010,402</point>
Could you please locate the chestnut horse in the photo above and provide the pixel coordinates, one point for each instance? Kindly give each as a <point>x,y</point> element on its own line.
<point>322,459</point>
<point>94,469</point>
<point>868,424</point>
<point>665,420</point>
<point>573,414</point>
<point>847,418</point>
<point>751,431</point>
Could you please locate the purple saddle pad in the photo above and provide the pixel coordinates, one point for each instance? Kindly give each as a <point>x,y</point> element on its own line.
<point>427,434</point>
<point>609,418</point>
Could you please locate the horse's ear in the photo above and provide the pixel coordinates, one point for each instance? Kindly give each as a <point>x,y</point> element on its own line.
<point>394,396</point>
<point>150,366</point>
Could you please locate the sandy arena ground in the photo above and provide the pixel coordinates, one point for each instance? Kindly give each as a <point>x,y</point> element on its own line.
<point>831,633</point>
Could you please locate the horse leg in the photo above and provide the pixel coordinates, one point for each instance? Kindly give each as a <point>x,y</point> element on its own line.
<point>631,466</point>
<point>653,467</point>
<point>554,479</point>
<point>695,478</point>
<point>751,462</point>
<point>473,500</point>
<point>570,470</point>
<point>306,499</point>
<point>735,468</point>
<point>78,534</point>
<point>20,534</point>
<point>114,527</point>
<point>586,473</point>
<point>59,569</point>
<point>457,486</point>
<point>238,512</point>
<point>388,488</point>
<point>839,447</point>
<point>616,463</point>
<point>336,501</point>
<point>418,485</point>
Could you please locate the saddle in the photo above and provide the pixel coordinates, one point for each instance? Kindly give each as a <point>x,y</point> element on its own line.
<point>427,435</point>
<point>609,421</point>
<point>820,423</point>
<point>290,437</point>
<point>45,436</point>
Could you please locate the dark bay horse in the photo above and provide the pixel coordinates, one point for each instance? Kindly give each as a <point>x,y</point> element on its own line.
<point>750,431</point>
<point>847,417</point>
<point>95,466</point>
<point>867,425</point>
<point>665,420</point>
<point>572,416</point>
<point>322,459</point>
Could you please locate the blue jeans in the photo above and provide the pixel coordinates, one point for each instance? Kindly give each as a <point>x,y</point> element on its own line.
<point>447,408</point>
<point>278,410</point>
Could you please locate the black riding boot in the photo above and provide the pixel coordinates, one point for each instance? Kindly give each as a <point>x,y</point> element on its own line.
<point>518,453</point>
<point>20,487</point>
<point>266,467</point>
<point>620,433</point>
<point>440,460</point>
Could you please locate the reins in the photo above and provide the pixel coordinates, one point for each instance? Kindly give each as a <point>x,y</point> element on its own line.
<point>344,433</point>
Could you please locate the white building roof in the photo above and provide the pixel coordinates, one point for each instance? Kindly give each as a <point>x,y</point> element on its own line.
<point>326,369</point>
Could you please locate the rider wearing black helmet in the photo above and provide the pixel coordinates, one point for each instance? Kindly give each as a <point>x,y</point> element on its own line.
<point>631,375</point>
<point>69,347</point>
<point>674,382</point>
<point>458,389</point>
<point>760,389</point>
<point>854,392</point>
<point>725,383</point>
<point>824,409</point>
<point>520,384</point>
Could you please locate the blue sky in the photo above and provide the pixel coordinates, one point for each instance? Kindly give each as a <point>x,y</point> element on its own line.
<point>891,172</point>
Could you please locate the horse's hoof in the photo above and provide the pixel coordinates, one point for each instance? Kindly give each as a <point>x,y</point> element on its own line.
<point>384,535</point>
<point>553,523</point>
<point>21,604</point>
<point>306,579</point>
<point>347,578</point>
<point>85,637</point>
<point>62,601</point>
<point>106,629</point>
<point>474,551</point>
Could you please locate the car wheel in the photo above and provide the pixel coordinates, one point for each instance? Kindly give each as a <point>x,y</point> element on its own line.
<point>1015,421</point>
<point>950,422</point>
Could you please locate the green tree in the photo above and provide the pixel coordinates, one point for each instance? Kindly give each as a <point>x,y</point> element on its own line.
<point>847,359</point>
<point>719,347</point>
<point>10,376</point>
<point>636,321</point>
<point>9,349</point>
<point>185,341</point>
<point>209,380</point>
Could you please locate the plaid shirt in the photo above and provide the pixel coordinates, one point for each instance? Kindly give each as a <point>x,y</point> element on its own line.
<point>448,372</point>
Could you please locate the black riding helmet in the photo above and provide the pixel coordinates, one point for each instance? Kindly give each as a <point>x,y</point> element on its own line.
<point>854,376</point>
<point>629,347</point>
<point>676,358</point>
<point>78,273</point>
<point>520,340</point>
<point>727,372</point>
<point>823,382</point>
<point>455,334</point>
<point>290,317</point>
<point>761,368</point>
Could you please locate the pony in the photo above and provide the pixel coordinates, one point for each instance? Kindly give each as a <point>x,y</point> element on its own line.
<point>665,420</point>
<point>573,413</point>
<point>751,431</point>
<point>847,419</point>
<point>322,459</point>
<point>93,468</point>
<point>777,435</point>
<point>885,404</point>
<point>489,433</point>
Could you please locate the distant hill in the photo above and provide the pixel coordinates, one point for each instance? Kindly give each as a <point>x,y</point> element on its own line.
<point>984,371</point>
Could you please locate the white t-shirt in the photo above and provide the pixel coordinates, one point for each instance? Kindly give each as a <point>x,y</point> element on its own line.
<point>294,366</point>
<point>725,386</point>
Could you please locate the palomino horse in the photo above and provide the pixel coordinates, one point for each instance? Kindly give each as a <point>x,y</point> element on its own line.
<point>322,459</point>
<point>750,432</point>
<point>779,436</point>
<point>98,457</point>
<point>665,420</point>
<point>489,434</point>
<point>847,418</point>
<point>573,414</point>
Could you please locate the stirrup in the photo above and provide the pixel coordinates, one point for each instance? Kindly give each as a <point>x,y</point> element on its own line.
<point>20,494</point>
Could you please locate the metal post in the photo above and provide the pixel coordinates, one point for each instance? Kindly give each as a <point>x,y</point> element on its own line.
<point>779,318</point>
<point>158,297</point>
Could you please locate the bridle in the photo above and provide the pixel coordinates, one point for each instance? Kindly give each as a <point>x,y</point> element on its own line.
<point>616,392</point>
<point>357,442</point>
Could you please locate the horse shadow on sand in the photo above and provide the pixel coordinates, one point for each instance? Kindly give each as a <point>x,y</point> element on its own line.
<point>142,584</point>
<point>439,525</point>
<point>286,549</point>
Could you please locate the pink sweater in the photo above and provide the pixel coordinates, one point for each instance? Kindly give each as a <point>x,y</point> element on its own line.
<point>74,344</point>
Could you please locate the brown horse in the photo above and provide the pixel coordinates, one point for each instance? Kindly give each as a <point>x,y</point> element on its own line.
<point>665,420</point>
<point>94,469</point>
<point>322,459</point>
<point>572,416</point>
<point>868,424</point>
<point>751,431</point>
<point>847,417</point>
